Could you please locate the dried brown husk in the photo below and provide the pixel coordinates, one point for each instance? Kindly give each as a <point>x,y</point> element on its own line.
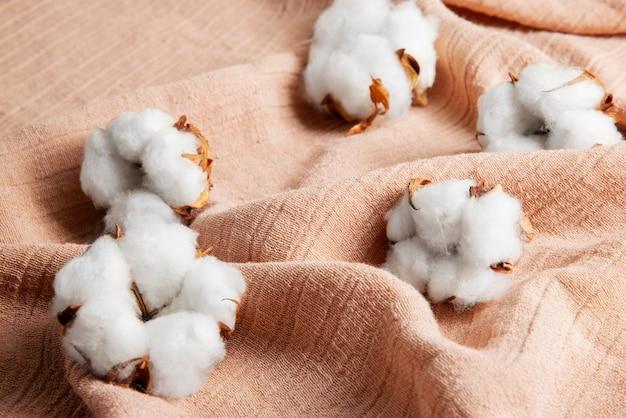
<point>225,330</point>
<point>618,114</point>
<point>67,316</point>
<point>481,188</point>
<point>335,108</point>
<point>146,314</point>
<point>204,159</point>
<point>503,267</point>
<point>415,184</point>
<point>412,70</point>
<point>203,253</point>
<point>526,228</point>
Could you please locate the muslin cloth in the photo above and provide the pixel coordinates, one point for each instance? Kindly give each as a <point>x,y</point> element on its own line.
<point>322,331</point>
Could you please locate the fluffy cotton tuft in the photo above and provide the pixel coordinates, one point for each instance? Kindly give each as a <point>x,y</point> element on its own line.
<point>464,239</point>
<point>211,287</point>
<point>104,174</point>
<point>583,129</point>
<point>130,132</point>
<point>184,348</point>
<point>134,207</point>
<point>547,107</point>
<point>355,43</point>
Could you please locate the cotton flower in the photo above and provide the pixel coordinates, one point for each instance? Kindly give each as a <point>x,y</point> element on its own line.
<point>547,107</point>
<point>370,58</point>
<point>464,242</point>
<point>143,307</point>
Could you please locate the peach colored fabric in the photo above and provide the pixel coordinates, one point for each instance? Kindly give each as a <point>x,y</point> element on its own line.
<point>322,332</point>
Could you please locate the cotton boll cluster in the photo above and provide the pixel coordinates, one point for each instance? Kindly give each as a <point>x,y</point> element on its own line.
<point>143,306</point>
<point>149,149</point>
<point>456,240</point>
<point>371,58</point>
<point>547,107</point>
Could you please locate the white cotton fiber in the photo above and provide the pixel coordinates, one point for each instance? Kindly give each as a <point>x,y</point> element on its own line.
<point>346,18</point>
<point>443,278</point>
<point>407,28</point>
<point>105,333</point>
<point>211,287</point>
<point>159,254</point>
<point>131,131</point>
<point>514,143</point>
<point>176,179</point>
<point>479,285</point>
<point>100,273</point>
<point>400,223</point>
<point>409,260</point>
<point>583,129</point>
<point>545,90</point>
<point>500,114</point>
<point>136,206</point>
<point>459,237</point>
<point>490,231</point>
<point>438,209</point>
<point>184,348</point>
<point>103,173</point>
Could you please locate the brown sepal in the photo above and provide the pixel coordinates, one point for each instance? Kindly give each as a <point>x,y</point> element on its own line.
<point>225,331</point>
<point>138,379</point>
<point>503,267</point>
<point>203,158</point>
<point>68,315</point>
<point>514,79</point>
<point>203,253</point>
<point>414,184</point>
<point>481,188</point>
<point>146,315</point>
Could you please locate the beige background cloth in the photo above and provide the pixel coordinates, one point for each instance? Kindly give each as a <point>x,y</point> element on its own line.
<point>322,332</point>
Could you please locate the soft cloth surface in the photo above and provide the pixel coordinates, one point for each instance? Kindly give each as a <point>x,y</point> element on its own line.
<point>322,331</point>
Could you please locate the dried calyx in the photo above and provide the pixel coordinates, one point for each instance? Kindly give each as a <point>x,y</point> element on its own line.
<point>456,240</point>
<point>548,107</point>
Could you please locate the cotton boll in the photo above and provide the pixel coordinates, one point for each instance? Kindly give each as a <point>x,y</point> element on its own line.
<point>407,28</point>
<point>135,206</point>
<point>501,115</point>
<point>131,131</point>
<point>176,179</point>
<point>444,279</point>
<point>548,90</point>
<point>101,272</point>
<point>104,174</point>
<point>514,143</point>
<point>479,285</point>
<point>159,254</point>
<point>346,18</point>
<point>409,260</point>
<point>184,348</point>
<point>490,231</point>
<point>437,213</point>
<point>400,223</point>
<point>211,287</point>
<point>105,333</point>
<point>583,129</point>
